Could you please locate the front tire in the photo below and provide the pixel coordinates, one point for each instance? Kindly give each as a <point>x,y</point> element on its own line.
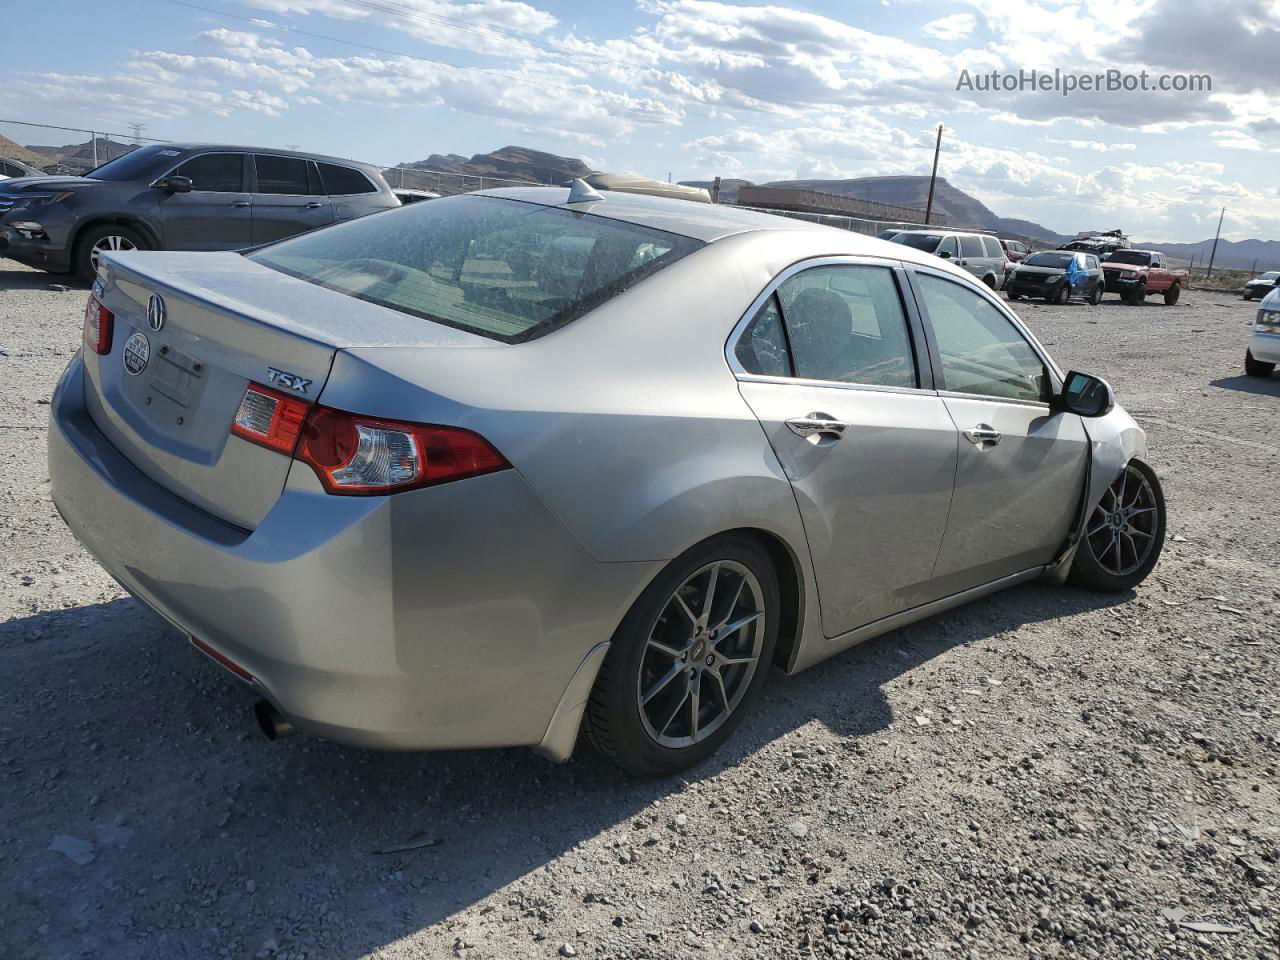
<point>1062,296</point>
<point>1123,534</point>
<point>1012,295</point>
<point>100,239</point>
<point>688,661</point>
<point>1257,368</point>
<point>1138,295</point>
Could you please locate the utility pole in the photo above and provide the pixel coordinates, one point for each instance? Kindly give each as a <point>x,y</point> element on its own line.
<point>937,147</point>
<point>1253,271</point>
<point>1214,252</point>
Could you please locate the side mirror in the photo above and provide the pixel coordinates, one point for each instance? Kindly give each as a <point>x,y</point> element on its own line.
<point>945,254</point>
<point>173,184</point>
<point>1085,396</point>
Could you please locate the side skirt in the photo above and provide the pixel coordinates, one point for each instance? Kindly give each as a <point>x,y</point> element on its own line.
<point>924,611</point>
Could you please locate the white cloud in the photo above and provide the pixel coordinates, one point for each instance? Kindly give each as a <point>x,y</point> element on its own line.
<point>955,27</point>
<point>1095,145</point>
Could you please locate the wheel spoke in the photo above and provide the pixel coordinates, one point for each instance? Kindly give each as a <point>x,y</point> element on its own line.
<point>693,619</point>
<point>675,712</point>
<point>663,682</point>
<point>731,628</point>
<point>1139,512</point>
<point>734,661</point>
<point>1098,529</point>
<point>721,692</point>
<point>665,650</point>
<point>1134,531</point>
<point>711,594</point>
<point>695,705</point>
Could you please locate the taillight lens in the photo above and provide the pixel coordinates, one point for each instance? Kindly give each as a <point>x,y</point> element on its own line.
<point>98,323</point>
<point>361,456</point>
<point>270,418</point>
<point>355,455</point>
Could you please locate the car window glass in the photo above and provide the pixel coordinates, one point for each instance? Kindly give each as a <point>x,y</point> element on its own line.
<point>762,348</point>
<point>214,172</point>
<point>281,174</point>
<point>949,245</point>
<point>846,323</point>
<point>970,246</point>
<point>993,247</point>
<point>344,180</point>
<point>982,352</point>
<point>314,187</point>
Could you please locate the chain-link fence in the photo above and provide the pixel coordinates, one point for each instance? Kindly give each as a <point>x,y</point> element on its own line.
<point>62,150</point>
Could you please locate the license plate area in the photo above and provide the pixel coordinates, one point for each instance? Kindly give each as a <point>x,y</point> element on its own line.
<point>177,378</point>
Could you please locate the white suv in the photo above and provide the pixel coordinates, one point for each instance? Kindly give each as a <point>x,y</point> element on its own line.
<point>1263,353</point>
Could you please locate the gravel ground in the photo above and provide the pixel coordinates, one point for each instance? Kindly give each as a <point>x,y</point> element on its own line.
<point>1042,773</point>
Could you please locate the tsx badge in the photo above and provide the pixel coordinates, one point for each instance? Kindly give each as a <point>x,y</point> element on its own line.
<point>137,351</point>
<point>290,381</point>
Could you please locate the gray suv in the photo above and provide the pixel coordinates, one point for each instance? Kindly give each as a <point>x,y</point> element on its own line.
<point>979,253</point>
<point>181,197</point>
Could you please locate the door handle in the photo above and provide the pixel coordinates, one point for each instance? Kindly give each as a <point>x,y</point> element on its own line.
<point>313,205</point>
<point>982,433</point>
<point>240,203</point>
<point>817,425</point>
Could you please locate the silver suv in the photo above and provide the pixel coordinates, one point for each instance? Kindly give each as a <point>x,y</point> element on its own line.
<point>978,253</point>
<point>175,196</point>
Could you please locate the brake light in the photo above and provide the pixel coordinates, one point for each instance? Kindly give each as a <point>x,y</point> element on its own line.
<point>269,418</point>
<point>362,456</point>
<point>354,455</point>
<point>98,323</point>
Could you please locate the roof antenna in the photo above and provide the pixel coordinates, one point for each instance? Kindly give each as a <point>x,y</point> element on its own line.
<point>582,192</point>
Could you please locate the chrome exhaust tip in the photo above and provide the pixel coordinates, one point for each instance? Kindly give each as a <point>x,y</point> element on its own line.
<point>273,724</point>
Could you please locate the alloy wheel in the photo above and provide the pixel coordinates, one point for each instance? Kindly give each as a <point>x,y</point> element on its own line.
<point>110,242</point>
<point>1122,528</point>
<point>701,654</point>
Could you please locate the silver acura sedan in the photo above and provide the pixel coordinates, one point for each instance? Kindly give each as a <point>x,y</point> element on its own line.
<point>506,468</point>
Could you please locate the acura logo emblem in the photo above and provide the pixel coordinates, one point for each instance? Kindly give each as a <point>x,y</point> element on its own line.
<point>155,311</point>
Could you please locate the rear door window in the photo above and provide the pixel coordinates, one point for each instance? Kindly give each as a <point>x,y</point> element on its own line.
<point>994,250</point>
<point>970,246</point>
<point>500,268</point>
<point>287,175</point>
<point>343,181</point>
<point>215,172</point>
<point>846,323</point>
<point>762,348</point>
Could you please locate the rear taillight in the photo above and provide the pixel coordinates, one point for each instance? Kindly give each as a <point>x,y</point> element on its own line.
<point>361,456</point>
<point>355,455</point>
<point>98,321</point>
<point>270,418</point>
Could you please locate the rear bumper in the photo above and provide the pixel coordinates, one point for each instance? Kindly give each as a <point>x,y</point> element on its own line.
<point>1265,346</point>
<point>453,616</point>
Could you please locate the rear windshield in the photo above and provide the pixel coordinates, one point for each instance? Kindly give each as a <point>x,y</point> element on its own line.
<point>1130,256</point>
<point>1061,260</point>
<point>928,242</point>
<point>500,268</point>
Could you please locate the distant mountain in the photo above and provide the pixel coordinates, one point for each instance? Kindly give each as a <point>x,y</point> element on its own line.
<point>1238,254</point>
<point>960,209</point>
<point>14,151</point>
<point>510,163</point>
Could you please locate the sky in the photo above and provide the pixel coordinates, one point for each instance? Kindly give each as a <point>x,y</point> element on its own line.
<point>694,89</point>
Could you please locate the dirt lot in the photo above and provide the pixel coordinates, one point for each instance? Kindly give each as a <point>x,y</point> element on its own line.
<point>1044,773</point>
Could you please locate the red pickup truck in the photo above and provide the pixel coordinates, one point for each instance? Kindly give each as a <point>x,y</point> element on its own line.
<point>1135,273</point>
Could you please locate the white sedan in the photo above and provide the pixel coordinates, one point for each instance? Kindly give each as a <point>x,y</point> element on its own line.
<point>1263,353</point>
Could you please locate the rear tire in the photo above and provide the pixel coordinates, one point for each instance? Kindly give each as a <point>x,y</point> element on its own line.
<point>1013,296</point>
<point>1123,534</point>
<point>101,238</point>
<point>1257,368</point>
<point>1095,298</point>
<point>665,646</point>
<point>1171,295</point>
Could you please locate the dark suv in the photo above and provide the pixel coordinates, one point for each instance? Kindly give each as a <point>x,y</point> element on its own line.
<point>181,197</point>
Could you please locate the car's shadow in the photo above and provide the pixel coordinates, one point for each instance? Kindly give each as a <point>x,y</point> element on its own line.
<point>1267,386</point>
<point>23,279</point>
<point>115,731</point>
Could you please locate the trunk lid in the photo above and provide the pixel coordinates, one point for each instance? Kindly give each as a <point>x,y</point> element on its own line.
<point>165,397</point>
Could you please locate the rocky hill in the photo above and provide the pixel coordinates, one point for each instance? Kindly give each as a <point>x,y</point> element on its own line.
<point>511,163</point>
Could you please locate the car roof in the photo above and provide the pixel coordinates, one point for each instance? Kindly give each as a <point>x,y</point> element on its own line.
<point>274,151</point>
<point>700,221</point>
